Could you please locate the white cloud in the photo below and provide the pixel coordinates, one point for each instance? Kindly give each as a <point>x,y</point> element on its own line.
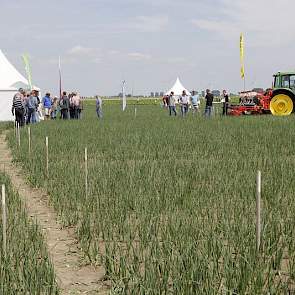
<point>113,52</point>
<point>139,56</point>
<point>265,22</point>
<point>97,60</point>
<point>154,23</point>
<point>80,50</point>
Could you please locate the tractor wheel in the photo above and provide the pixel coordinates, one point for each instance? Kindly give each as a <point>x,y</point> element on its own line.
<point>281,105</point>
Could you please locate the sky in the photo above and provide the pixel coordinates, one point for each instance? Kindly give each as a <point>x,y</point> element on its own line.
<point>148,43</point>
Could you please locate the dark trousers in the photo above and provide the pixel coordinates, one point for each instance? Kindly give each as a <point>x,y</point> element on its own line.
<point>172,109</point>
<point>72,113</point>
<point>20,117</point>
<point>79,112</point>
<point>64,114</point>
<point>225,108</point>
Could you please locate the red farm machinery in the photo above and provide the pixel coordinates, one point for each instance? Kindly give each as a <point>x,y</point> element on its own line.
<point>280,100</point>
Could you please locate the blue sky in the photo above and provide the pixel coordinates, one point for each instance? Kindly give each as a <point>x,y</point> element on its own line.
<point>148,43</point>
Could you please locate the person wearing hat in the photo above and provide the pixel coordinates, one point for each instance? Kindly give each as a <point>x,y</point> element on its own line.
<point>18,107</point>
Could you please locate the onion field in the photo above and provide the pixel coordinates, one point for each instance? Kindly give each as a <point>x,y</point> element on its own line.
<point>170,201</point>
<point>26,267</point>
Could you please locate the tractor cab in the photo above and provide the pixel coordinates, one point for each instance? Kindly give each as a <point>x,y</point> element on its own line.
<point>283,95</point>
<point>284,80</point>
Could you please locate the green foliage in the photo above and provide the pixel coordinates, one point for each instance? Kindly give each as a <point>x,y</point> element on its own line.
<point>130,101</point>
<point>171,204</point>
<point>26,267</point>
<point>5,126</point>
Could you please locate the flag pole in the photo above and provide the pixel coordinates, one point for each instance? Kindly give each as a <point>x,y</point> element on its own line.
<point>59,71</point>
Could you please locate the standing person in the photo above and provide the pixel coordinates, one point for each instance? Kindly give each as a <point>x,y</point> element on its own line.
<point>54,104</point>
<point>184,101</point>
<point>195,101</point>
<point>32,106</point>
<point>209,103</point>
<point>80,108</point>
<point>75,101</point>
<point>25,102</point>
<point>99,106</point>
<point>165,100</point>
<point>225,101</point>
<point>18,107</point>
<point>64,104</point>
<point>171,104</point>
<point>46,103</point>
<point>38,114</point>
<point>72,106</point>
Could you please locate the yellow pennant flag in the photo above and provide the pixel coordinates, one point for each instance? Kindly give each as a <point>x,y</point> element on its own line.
<point>242,56</point>
<point>28,69</point>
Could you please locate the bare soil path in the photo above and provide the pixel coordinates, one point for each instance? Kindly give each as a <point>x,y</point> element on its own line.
<point>72,277</point>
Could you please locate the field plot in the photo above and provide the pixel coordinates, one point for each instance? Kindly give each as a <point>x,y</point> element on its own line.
<point>26,268</point>
<point>170,207</point>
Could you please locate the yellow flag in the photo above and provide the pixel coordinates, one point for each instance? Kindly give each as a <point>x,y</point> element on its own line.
<point>28,69</point>
<point>242,56</point>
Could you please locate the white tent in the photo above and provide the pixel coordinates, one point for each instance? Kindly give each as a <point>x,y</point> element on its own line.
<point>178,88</point>
<point>10,81</point>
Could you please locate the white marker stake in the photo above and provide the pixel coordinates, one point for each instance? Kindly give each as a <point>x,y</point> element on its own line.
<point>47,158</point>
<point>29,140</point>
<point>258,210</point>
<point>15,134</point>
<point>135,112</point>
<point>18,134</point>
<point>4,218</point>
<point>86,173</point>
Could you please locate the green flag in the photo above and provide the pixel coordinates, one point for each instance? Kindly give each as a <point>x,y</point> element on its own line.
<point>28,69</point>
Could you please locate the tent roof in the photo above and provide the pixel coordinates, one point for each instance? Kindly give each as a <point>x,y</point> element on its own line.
<point>178,88</point>
<point>10,77</point>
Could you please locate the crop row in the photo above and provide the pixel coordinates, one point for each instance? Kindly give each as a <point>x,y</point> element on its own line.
<point>171,202</point>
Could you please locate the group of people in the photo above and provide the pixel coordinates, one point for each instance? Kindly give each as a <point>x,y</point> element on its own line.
<point>170,101</point>
<point>28,108</point>
<point>185,100</point>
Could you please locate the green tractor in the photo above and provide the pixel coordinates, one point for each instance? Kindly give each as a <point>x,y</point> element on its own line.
<point>282,99</point>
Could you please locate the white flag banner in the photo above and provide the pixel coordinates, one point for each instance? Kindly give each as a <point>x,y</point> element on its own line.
<point>124,102</point>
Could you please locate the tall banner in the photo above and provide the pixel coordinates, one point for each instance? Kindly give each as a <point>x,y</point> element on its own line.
<point>28,69</point>
<point>59,71</point>
<point>124,102</point>
<point>242,56</point>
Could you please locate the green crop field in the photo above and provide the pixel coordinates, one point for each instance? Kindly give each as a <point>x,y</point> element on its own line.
<point>26,268</point>
<point>170,207</point>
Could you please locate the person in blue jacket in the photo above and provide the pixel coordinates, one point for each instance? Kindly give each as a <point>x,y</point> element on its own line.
<point>47,104</point>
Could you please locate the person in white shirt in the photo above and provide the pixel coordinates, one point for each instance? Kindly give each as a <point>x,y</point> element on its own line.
<point>171,104</point>
<point>184,101</point>
<point>195,101</point>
